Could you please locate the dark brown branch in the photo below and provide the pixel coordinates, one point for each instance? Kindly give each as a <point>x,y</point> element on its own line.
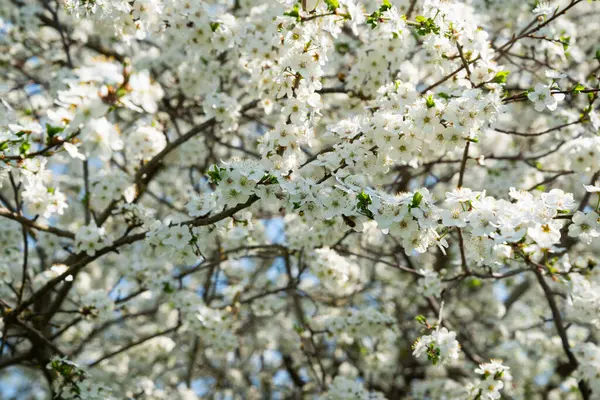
<point>560,328</point>
<point>132,345</point>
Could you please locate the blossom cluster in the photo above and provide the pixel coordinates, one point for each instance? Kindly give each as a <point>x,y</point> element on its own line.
<point>241,199</point>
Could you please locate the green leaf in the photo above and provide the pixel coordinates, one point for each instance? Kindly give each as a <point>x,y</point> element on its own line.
<point>429,101</point>
<point>121,92</point>
<point>295,13</point>
<point>269,179</point>
<point>25,146</point>
<point>53,130</point>
<point>373,19</point>
<point>501,77</point>
<point>475,283</point>
<point>364,200</point>
<point>342,48</point>
<point>426,26</point>
<point>215,174</point>
<point>565,41</point>
<point>332,5</point>
<point>433,353</point>
<point>552,270</point>
<point>416,200</point>
<point>167,288</point>
<point>578,88</point>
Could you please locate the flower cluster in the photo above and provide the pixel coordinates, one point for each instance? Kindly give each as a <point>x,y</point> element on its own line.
<point>440,346</point>
<point>91,238</point>
<point>97,305</point>
<point>491,383</point>
<point>344,388</point>
<point>215,329</point>
<point>589,354</point>
<point>336,273</point>
<point>72,382</point>
<point>241,199</point>
<point>361,323</point>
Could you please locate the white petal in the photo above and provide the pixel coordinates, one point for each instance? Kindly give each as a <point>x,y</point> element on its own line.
<point>592,188</point>
<point>72,150</point>
<point>552,104</point>
<point>129,194</point>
